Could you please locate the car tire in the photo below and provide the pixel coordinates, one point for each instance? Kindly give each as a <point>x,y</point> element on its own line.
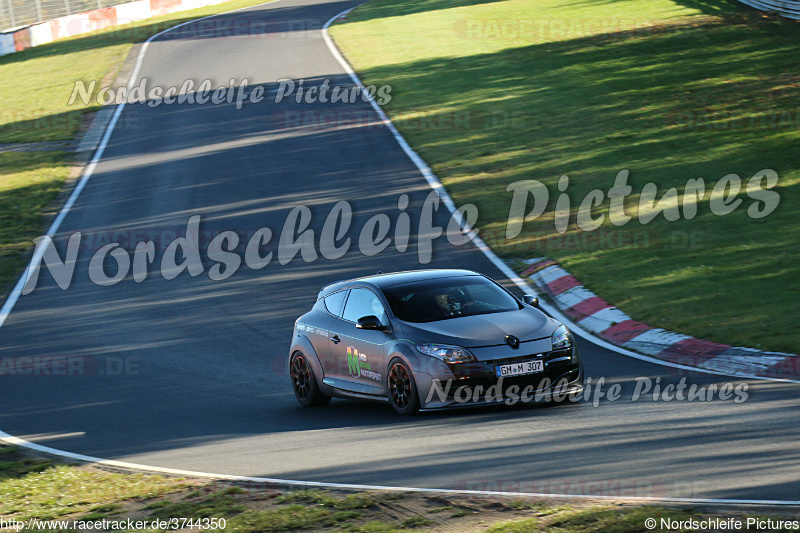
<point>403,395</point>
<point>304,384</point>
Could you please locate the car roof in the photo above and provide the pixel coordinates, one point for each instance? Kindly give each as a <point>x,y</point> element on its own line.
<point>395,278</point>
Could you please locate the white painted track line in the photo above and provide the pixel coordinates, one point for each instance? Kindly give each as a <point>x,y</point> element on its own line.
<point>525,287</point>
<point>434,182</point>
<point>290,482</point>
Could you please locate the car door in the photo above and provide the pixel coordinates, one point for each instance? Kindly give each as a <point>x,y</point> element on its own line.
<point>360,353</point>
<point>334,305</point>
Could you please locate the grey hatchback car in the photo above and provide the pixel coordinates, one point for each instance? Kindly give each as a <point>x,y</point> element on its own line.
<point>430,339</point>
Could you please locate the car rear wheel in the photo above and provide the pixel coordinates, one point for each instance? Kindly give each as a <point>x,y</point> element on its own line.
<point>305,386</point>
<point>402,389</point>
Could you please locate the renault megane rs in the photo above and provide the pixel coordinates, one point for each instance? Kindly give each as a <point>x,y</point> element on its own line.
<point>429,339</point>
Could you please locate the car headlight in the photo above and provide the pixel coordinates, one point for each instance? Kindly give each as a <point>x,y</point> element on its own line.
<point>562,338</point>
<point>447,353</point>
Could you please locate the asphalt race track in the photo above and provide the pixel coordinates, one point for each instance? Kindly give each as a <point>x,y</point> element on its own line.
<point>191,373</point>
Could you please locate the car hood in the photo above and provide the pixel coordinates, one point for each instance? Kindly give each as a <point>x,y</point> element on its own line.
<point>484,330</point>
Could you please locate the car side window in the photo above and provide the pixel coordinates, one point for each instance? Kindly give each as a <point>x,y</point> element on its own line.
<point>333,303</point>
<point>361,303</point>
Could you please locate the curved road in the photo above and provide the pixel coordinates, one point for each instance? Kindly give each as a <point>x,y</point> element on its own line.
<point>190,373</point>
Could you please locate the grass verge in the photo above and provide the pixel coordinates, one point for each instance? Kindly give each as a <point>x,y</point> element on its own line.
<point>29,183</point>
<point>37,83</point>
<point>670,90</point>
<point>35,88</point>
<point>36,487</point>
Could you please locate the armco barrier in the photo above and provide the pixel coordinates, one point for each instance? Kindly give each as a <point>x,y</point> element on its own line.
<point>133,11</point>
<point>71,25</point>
<point>786,8</point>
<point>7,44</point>
<point>98,19</point>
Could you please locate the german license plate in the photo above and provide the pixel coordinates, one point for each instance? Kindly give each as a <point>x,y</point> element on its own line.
<point>520,369</point>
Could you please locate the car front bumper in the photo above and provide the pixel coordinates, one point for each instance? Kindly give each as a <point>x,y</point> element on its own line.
<point>471,384</point>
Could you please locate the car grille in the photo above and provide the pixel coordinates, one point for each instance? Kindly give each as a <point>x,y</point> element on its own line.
<point>486,369</point>
<point>520,358</point>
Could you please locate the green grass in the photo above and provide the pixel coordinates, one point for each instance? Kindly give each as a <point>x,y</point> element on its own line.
<point>33,486</point>
<point>357,501</point>
<point>323,498</point>
<point>375,526</point>
<point>13,464</point>
<point>312,496</point>
<point>102,512</point>
<point>313,508</point>
<point>37,83</point>
<point>345,516</point>
<point>35,87</point>
<point>62,490</point>
<point>219,504</point>
<point>29,183</point>
<point>416,521</point>
<point>606,519</point>
<point>291,517</point>
<point>593,88</point>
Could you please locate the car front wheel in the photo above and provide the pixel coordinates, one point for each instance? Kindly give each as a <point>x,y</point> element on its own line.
<point>402,389</point>
<point>305,386</point>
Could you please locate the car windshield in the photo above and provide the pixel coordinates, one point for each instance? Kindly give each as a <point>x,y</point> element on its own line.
<point>445,298</point>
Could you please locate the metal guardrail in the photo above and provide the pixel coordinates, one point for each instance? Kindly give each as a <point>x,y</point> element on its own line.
<point>17,13</point>
<point>787,8</point>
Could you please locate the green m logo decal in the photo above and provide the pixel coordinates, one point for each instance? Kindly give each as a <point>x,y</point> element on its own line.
<point>352,361</point>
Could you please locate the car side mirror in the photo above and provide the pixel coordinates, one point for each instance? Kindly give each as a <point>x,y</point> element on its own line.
<point>370,322</point>
<point>530,299</point>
